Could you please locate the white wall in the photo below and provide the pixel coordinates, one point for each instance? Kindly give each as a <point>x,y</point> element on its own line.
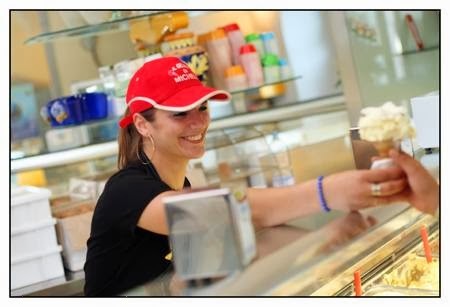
<point>310,52</point>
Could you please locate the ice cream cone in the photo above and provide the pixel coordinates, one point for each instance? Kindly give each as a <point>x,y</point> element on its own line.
<point>383,147</point>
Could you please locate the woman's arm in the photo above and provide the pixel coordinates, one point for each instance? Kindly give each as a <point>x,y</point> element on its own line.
<point>349,190</point>
<point>153,218</point>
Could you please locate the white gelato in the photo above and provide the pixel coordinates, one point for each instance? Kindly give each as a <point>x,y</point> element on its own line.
<point>385,123</point>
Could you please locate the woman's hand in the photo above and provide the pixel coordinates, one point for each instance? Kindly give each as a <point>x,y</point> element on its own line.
<point>423,190</point>
<point>345,229</point>
<point>352,190</point>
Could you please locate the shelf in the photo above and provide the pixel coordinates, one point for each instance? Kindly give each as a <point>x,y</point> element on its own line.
<point>228,136</point>
<point>114,25</point>
<point>252,89</point>
<point>408,52</point>
<point>89,152</point>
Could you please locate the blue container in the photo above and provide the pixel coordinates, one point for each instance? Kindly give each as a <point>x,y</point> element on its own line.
<point>65,111</point>
<point>94,105</point>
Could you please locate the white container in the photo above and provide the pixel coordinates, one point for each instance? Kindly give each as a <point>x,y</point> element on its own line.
<point>123,72</point>
<point>270,43</point>
<point>237,80</point>
<point>252,65</point>
<point>64,138</point>
<point>40,266</point>
<point>219,108</point>
<point>29,205</point>
<point>285,70</point>
<point>34,237</point>
<point>236,39</point>
<point>271,74</point>
<point>255,40</point>
<point>219,56</point>
<point>73,233</point>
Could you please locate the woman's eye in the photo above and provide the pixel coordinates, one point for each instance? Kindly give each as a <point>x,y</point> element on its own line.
<point>180,114</point>
<point>203,108</point>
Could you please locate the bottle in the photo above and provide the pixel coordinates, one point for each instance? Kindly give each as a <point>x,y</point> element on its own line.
<point>236,80</point>
<point>219,53</point>
<point>106,74</point>
<point>285,70</point>
<point>236,39</point>
<point>252,65</point>
<point>271,68</point>
<point>283,175</point>
<point>256,41</point>
<point>270,43</point>
<point>123,73</point>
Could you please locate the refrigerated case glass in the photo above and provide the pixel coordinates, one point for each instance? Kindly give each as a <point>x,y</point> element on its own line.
<point>392,62</point>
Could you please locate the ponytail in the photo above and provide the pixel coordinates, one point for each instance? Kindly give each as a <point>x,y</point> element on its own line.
<point>130,140</point>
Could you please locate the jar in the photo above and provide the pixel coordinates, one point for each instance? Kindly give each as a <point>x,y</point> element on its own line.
<point>270,68</point>
<point>252,65</point>
<point>219,52</point>
<point>177,41</point>
<point>270,43</point>
<point>256,41</point>
<point>236,39</point>
<point>236,80</point>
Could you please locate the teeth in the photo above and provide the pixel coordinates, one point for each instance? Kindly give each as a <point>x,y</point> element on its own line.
<point>194,137</point>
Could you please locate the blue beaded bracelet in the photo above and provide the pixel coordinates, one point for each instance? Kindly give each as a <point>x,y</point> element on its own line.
<point>323,202</point>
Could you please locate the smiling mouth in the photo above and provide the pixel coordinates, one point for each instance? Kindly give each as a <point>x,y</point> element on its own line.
<point>198,138</point>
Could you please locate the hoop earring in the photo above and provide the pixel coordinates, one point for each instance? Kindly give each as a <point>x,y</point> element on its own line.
<point>153,146</point>
<point>153,151</point>
<point>139,158</point>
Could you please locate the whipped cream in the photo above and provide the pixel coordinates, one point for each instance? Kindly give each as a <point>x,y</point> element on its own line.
<point>387,122</point>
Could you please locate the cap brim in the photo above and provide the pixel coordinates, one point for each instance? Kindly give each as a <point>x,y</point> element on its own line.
<point>184,100</point>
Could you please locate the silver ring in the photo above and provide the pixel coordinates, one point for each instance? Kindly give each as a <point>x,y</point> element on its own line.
<point>375,189</point>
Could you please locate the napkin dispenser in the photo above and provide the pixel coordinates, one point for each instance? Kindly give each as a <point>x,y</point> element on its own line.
<point>425,113</point>
<point>211,234</point>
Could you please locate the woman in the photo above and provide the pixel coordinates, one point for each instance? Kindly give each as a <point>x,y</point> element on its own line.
<point>164,127</point>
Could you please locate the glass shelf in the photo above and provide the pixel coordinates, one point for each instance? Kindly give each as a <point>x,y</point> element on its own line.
<point>114,25</point>
<point>252,89</point>
<point>230,136</point>
<point>407,52</point>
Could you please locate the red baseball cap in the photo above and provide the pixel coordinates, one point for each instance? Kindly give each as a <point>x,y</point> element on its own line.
<point>167,84</point>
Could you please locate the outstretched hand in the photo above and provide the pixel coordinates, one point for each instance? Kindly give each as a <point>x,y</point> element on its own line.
<point>354,190</point>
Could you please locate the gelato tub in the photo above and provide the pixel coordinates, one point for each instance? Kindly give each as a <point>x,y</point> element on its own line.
<point>382,290</point>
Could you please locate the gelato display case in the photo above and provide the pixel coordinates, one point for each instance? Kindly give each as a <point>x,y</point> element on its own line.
<point>322,262</point>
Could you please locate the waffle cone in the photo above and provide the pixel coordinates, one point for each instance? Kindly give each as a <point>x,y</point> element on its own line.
<point>383,147</point>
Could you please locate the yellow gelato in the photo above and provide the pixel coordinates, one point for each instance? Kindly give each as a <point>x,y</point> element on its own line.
<point>415,273</point>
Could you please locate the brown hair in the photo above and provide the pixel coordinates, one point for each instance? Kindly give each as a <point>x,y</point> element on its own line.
<point>130,140</point>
